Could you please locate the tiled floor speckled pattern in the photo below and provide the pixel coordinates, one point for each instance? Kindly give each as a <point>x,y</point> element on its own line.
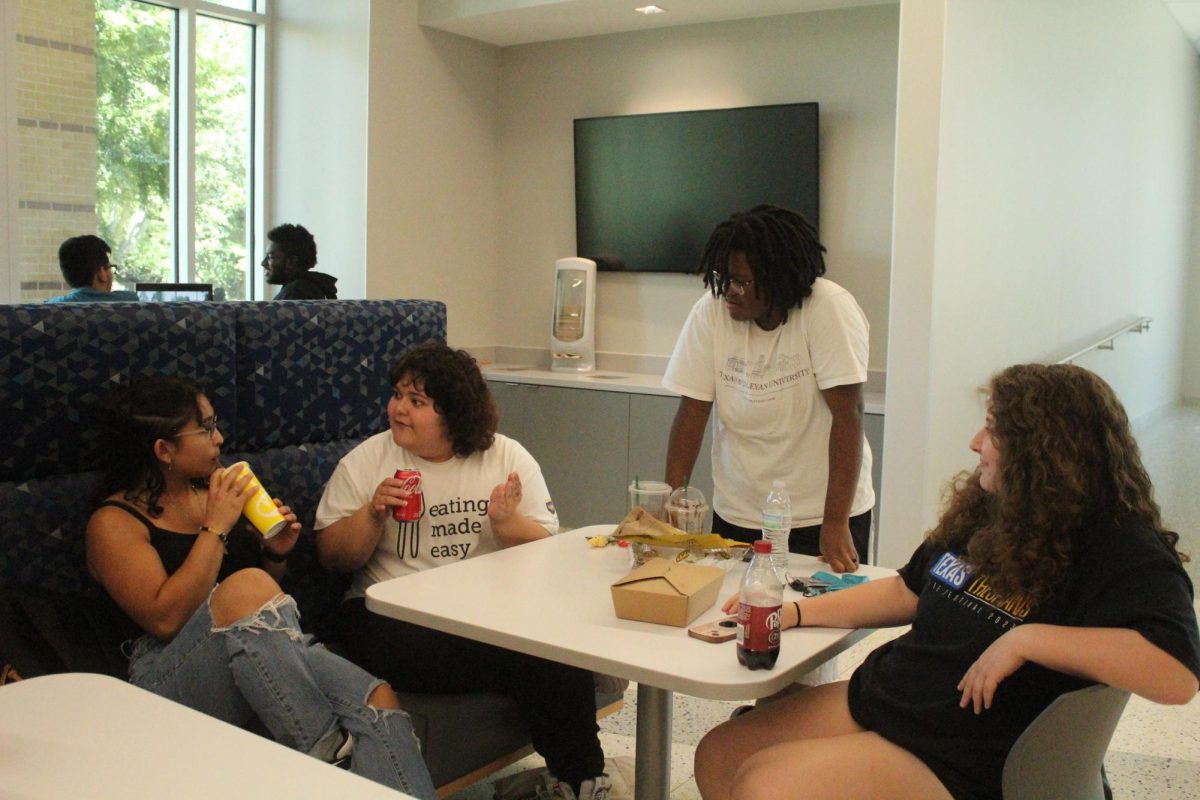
<point>1155,754</point>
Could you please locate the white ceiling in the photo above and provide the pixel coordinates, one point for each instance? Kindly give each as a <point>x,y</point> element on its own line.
<point>510,22</point>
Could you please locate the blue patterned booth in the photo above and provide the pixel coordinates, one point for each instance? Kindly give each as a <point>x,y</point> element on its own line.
<point>296,385</point>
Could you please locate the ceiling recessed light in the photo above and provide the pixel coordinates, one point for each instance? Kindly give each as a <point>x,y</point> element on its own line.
<point>650,10</point>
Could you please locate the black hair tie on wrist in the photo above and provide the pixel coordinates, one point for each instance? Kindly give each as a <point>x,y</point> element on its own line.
<point>796,603</point>
<point>275,557</point>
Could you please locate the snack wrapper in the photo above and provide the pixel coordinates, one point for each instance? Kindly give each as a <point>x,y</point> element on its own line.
<point>650,537</point>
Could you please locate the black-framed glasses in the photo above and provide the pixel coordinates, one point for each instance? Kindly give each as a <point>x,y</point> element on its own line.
<point>208,426</point>
<point>736,285</point>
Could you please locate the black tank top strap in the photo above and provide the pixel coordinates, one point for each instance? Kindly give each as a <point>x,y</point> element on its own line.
<point>138,515</point>
<point>244,549</point>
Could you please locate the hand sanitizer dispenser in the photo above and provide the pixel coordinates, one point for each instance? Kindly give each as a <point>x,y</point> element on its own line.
<point>573,325</point>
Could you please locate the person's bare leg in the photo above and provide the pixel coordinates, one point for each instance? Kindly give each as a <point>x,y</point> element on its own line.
<point>854,765</point>
<point>383,697</point>
<point>815,712</point>
<point>240,595</point>
<point>787,691</point>
<point>807,745</point>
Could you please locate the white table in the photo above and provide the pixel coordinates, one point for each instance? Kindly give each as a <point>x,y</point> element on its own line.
<point>551,599</point>
<point>86,735</point>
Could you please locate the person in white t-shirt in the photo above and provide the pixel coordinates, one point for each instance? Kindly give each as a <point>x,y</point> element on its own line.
<point>782,353</point>
<point>480,491</point>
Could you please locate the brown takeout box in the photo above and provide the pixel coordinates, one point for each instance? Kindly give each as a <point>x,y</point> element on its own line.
<point>667,593</point>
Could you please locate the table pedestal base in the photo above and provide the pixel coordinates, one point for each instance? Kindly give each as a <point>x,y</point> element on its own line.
<point>652,760</point>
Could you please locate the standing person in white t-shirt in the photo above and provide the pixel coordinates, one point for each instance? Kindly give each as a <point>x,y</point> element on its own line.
<point>481,492</point>
<point>782,353</point>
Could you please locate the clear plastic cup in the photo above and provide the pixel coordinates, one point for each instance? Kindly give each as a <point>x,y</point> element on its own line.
<point>686,508</point>
<point>652,496</point>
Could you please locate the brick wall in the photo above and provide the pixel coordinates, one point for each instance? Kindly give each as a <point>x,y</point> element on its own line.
<point>56,137</point>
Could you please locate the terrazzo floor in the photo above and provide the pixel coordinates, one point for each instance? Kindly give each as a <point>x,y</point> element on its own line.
<point>1155,753</point>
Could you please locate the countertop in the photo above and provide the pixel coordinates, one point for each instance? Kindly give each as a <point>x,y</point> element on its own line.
<point>607,380</point>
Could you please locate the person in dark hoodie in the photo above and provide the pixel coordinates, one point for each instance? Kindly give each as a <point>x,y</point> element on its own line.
<point>291,256</point>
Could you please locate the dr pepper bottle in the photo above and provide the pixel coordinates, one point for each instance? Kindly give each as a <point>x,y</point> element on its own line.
<point>412,481</point>
<point>759,606</point>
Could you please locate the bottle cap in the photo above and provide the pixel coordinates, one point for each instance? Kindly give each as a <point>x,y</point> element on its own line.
<point>762,546</point>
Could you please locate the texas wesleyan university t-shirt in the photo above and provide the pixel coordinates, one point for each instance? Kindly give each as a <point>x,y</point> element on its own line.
<point>771,421</point>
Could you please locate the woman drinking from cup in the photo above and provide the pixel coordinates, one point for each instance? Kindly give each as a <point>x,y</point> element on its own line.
<point>170,547</point>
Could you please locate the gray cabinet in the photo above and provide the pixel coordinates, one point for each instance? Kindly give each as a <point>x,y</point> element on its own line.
<point>580,439</point>
<point>650,418</point>
<point>591,445</point>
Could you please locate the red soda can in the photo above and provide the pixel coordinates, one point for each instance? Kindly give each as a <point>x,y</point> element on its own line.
<point>412,482</point>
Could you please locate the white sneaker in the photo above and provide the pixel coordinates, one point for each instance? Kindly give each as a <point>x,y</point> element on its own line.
<point>341,758</point>
<point>528,785</point>
<point>334,748</point>
<point>591,789</point>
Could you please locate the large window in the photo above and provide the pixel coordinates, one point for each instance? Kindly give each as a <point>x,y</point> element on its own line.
<point>178,115</point>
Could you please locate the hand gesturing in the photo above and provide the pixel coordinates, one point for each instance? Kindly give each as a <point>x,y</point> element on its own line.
<point>506,497</point>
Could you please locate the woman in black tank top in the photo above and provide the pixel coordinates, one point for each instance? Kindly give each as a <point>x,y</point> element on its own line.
<point>169,545</point>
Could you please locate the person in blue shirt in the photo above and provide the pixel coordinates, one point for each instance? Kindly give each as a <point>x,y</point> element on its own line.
<point>86,268</point>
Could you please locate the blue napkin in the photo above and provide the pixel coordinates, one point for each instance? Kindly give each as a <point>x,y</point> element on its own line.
<point>840,582</point>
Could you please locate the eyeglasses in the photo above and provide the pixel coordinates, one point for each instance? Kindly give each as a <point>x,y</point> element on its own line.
<point>736,285</point>
<point>208,426</point>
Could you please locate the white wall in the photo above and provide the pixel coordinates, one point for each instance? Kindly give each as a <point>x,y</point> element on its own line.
<point>1066,164</point>
<point>1191,349</point>
<point>431,183</point>
<point>845,60</point>
<point>318,173</point>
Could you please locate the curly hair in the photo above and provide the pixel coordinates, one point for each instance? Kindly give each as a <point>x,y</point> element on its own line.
<point>452,379</point>
<point>137,416</point>
<point>781,247</point>
<point>1068,461</point>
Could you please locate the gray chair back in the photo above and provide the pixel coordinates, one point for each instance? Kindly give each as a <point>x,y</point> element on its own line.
<point>1061,753</point>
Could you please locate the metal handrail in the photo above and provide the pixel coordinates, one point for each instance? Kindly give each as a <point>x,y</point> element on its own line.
<point>1140,325</point>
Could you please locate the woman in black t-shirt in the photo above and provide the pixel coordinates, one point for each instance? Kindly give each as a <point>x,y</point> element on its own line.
<point>1049,570</point>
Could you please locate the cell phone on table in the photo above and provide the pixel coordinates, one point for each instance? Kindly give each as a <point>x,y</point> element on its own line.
<point>719,630</point>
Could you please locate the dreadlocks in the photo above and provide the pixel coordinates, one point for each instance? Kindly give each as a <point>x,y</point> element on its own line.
<point>782,249</point>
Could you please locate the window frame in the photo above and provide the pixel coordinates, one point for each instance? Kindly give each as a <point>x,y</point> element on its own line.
<point>183,133</point>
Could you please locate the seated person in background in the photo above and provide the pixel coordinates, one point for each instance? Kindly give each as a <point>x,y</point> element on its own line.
<point>85,266</point>
<point>170,547</point>
<point>289,261</point>
<point>1049,570</point>
<point>481,491</point>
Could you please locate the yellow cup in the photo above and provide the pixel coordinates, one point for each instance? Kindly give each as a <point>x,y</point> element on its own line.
<point>260,509</point>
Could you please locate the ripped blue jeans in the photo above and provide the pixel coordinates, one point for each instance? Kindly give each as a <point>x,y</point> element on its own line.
<point>262,666</point>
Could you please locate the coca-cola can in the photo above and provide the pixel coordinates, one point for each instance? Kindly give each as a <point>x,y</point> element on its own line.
<point>412,481</point>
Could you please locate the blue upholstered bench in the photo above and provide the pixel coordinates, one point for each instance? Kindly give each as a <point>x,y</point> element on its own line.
<point>296,385</point>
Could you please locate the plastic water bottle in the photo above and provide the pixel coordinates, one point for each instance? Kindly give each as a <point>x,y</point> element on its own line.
<point>777,523</point>
<point>759,617</point>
